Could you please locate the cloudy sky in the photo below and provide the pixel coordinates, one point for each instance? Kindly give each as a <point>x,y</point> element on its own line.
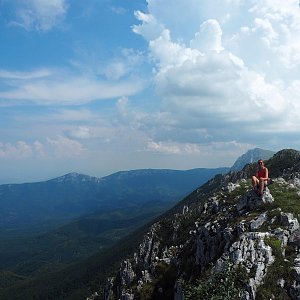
<point>98,86</point>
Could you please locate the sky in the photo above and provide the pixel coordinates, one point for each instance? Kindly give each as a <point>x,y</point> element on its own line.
<point>99,86</point>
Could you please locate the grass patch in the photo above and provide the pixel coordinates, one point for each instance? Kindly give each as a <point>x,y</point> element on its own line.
<point>286,198</point>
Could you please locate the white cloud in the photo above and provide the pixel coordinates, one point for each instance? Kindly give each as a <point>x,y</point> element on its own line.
<point>276,24</point>
<point>170,147</point>
<point>236,75</point>
<point>48,87</point>
<point>40,15</point>
<point>18,75</point>
<point>150,27</point>
<point>119,10</point>
<point>190,155</point>
<point>268,35</point>
<point>39,148</point>
<point>65,147</point>
<point>59,147</point>
<point>80,132</point>
<point>169,54</point>
<point>124,64</point>
<point>20,150</point>
<point>209,38</point>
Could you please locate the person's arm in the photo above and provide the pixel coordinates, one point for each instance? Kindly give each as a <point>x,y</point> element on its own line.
<point>266,174</point>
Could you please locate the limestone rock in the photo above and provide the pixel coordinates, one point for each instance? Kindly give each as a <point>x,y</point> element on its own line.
<point>251,252</point>
<point>127,274</point>
<point>251,200</point>
<point>259,221</point>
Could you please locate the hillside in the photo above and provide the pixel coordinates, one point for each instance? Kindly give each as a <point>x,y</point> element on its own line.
<point>225,243</point>
<point>220,228</point>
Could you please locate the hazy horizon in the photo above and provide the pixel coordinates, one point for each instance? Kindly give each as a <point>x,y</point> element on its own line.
<point>41,179</point>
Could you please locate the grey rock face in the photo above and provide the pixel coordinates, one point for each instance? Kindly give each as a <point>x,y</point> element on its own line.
<point>251,200</point>
<point>210,242</point>
<point>251,252</point>
<point>259,221</point>
<point>126,273</point>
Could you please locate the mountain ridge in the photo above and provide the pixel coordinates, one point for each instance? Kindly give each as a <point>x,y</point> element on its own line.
<point>149,192</point>
<point>56,201</point>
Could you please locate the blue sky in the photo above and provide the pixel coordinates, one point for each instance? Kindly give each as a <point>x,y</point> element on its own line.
<point>98,86</point>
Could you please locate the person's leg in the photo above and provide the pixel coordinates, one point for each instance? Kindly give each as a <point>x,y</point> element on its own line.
<point>255,181</point>
<point>261,186</point>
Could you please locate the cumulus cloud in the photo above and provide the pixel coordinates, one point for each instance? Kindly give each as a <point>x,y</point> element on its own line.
<point>275,24</point>
<point>20,150</point>
<point>58,147</point>
<point>65,147</point>
<point>40,15</point>
<point>228,74</point>
<point>150,27</point>
<point>39,149</point>
<point>209,38</point>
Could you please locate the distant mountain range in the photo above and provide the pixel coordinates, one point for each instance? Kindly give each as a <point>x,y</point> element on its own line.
<point>45,225</point>
<point>48,204</point>
<point>45,205</point>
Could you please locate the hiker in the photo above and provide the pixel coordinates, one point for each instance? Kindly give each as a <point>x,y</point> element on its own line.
<point>260,179</point>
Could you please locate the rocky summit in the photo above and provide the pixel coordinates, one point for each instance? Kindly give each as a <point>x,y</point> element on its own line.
<point>221,242</point>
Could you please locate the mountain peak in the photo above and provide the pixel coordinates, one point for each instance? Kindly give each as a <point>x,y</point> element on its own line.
<point>75,178</point>
<point>251,156</point>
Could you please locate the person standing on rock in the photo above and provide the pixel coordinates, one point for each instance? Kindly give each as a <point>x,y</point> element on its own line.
<point>260,179</point>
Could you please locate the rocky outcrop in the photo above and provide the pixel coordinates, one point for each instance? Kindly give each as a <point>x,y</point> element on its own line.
<point>250,200</point>
<point>219,240</point>
<point>253,254</point>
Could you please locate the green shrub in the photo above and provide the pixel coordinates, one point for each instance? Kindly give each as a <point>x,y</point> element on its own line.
<point>217,286</point>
